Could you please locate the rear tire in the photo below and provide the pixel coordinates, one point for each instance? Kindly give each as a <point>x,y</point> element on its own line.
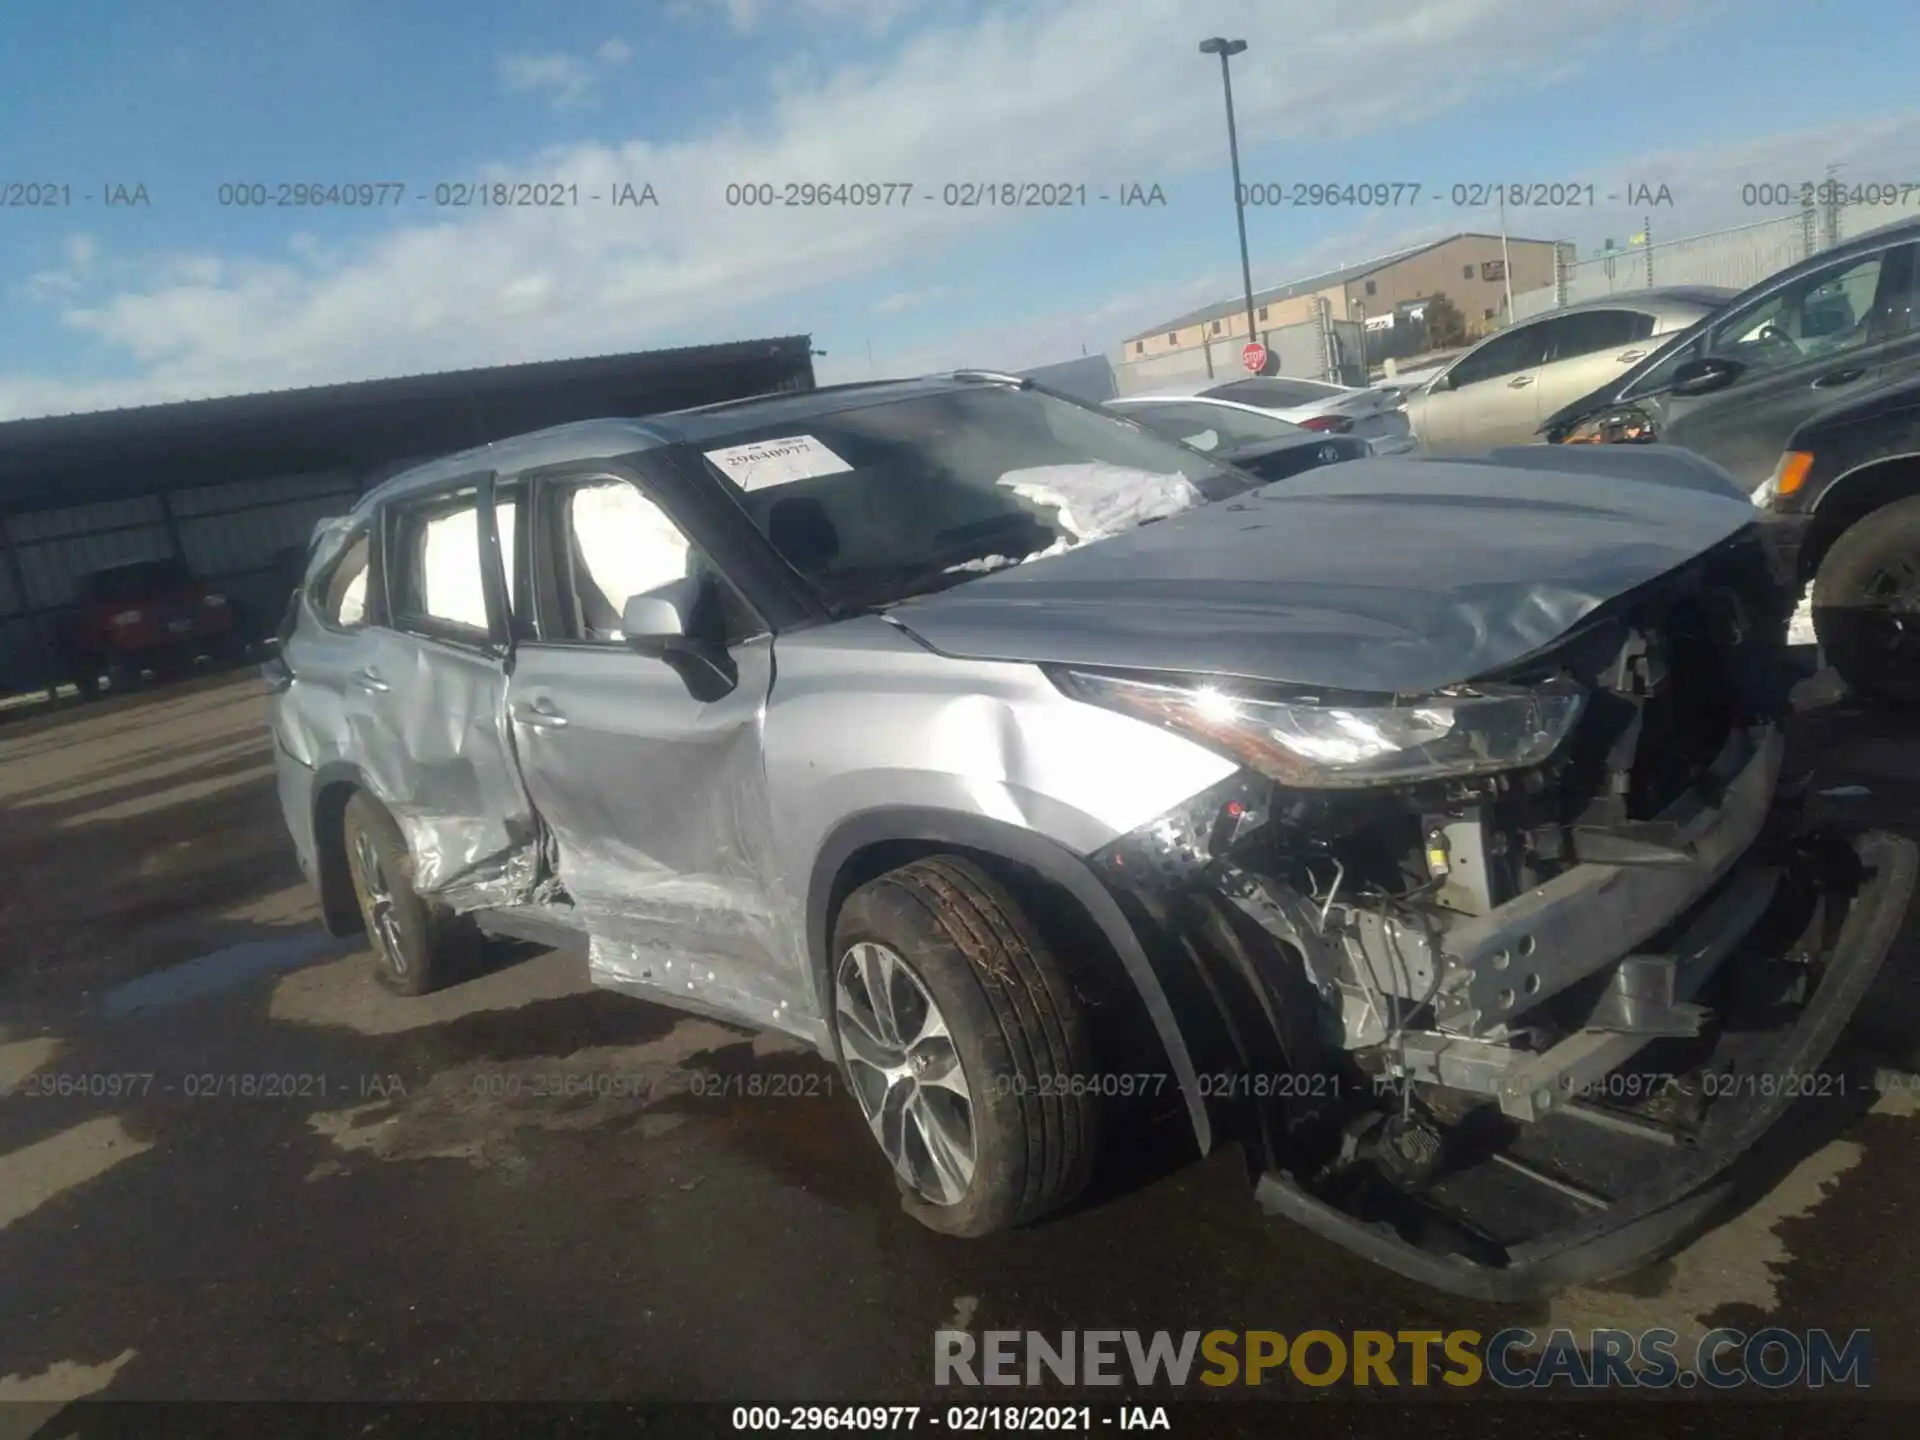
<point>1866,604</point>
<point>417,944</point>
<point>989,1063</point>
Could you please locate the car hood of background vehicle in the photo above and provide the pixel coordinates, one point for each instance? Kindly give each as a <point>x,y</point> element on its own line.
<point>1388,575</point>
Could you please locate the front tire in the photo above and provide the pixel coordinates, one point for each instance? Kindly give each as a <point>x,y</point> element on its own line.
<point>1866,604</point>
<point>416,944</point>
<point>965,1046</point>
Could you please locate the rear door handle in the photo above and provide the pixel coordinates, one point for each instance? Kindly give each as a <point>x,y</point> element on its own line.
<point>1627,357</point>
<point>1839,377</point>
<point>541,714</point>
<point>369,679</point>
<point>1519,382</point>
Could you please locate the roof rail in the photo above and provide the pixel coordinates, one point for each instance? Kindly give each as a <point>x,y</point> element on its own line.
<point>996,377</point>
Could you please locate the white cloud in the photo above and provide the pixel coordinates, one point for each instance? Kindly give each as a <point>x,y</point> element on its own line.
<point>747,17</point>
<point>1084,90</point>
<point>566,80</point>
<point>907,299</point>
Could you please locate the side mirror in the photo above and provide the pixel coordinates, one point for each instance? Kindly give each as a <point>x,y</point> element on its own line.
<point>660,623</point>
<point>650,621</point>
<point>1705,375</point>
<point>1440,382</point>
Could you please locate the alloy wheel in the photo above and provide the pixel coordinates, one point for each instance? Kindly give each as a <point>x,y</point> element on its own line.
<point>376,903</point>
<point>905,1072</point>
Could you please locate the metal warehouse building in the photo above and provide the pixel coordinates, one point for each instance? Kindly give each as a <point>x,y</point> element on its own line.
<point>229,484</point>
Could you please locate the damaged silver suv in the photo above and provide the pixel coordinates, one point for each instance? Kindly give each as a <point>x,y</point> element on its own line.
<point>1411,823</point>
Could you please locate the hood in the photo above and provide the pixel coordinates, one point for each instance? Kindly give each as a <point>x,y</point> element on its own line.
<point>1385,575</point>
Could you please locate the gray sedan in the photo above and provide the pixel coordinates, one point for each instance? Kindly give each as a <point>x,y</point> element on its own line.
<point>1499,391</point>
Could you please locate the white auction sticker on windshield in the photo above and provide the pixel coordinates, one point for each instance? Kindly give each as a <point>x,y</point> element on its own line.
<point>766,463</point>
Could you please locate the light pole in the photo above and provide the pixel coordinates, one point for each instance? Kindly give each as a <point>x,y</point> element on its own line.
<point>1218,45</point>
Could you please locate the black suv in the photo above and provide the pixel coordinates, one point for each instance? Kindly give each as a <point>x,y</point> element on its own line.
<point>1803,388</point>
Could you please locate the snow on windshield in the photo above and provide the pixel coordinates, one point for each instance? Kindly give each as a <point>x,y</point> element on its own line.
<point>1092,501</point>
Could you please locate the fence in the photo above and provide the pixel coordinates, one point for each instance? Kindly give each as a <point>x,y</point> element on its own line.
<point>1737,258</point>
<point>1319,349</point>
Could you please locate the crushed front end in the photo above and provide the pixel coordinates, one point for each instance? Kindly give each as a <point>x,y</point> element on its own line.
<point>1507,1026</point>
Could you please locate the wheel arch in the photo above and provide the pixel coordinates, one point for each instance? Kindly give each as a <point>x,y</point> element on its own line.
<point>1854,495</point>
<point>872,842</point>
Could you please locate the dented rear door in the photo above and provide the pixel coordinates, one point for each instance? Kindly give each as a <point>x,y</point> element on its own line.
<point>425,701</point>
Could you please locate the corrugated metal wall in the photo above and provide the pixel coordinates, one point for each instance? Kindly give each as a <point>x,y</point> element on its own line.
<point>227,534</point>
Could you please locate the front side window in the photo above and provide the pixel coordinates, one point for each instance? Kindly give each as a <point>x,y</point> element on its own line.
<point>873,502</point>
<point>1827,312</point>
<point>1505,354</point>
<point>613,543</point>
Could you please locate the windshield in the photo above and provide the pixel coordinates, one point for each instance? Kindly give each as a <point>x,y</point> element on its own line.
<point>1211,427</point>
<point>137,581</point>
<point>876,502</point>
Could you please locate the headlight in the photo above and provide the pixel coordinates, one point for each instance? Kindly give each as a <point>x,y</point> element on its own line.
<point>213,601</point>
<point>1462,730</point>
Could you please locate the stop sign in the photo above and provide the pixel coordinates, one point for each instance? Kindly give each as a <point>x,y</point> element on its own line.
<point>1254,357</point>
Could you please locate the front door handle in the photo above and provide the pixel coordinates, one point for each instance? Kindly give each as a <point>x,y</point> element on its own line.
<point>1839,377</point>
<point>369,679</point>
<point>1627,357</point>
<point>1519,382</point>
<point>541,714</point>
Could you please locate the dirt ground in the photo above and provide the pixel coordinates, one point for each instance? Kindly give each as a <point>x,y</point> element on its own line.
<point>233,1167</point>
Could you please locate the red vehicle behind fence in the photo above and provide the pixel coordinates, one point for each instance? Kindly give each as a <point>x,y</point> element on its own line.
<point>151,615</point>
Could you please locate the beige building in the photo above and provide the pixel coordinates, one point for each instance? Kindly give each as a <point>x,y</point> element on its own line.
<point>1467,269</point>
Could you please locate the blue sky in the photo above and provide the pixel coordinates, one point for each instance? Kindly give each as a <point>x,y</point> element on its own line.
<point>180,297</point>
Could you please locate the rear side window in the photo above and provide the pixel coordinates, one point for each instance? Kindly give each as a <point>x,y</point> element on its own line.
<point>341,596</point>
<point>1591,331</point>
<point>434,575</point>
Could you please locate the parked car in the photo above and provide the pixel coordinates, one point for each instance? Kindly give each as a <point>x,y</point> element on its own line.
<point>1834,337</point>
<point>951,726</point>
<point>1254,440</point>
<point>1376,415</point>
<point>1498,392</point>
<point>1854,472</point>
<point>147,616</point>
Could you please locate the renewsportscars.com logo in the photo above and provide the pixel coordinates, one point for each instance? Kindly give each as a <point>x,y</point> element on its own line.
<point>1517,1358</point>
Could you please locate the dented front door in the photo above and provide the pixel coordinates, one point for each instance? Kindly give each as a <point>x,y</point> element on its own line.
<point>655,795</point>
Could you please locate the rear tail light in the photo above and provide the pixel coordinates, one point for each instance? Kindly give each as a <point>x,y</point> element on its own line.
<point>1330,424</point>
<point>129,617</point>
